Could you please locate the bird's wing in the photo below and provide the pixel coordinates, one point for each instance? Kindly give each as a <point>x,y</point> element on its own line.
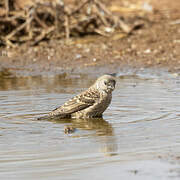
<point>78,103</point>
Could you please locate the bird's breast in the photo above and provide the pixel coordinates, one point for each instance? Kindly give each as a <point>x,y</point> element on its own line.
<point>101,105</point>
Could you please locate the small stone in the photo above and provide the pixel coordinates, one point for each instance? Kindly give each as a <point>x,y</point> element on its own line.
<point>94,59</point>
<point>147,51</point>
<point>78,56</point>
<point>69,129</point>
<point>109,30</point>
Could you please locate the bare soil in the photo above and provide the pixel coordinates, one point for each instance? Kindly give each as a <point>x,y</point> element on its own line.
<point>155,43</point>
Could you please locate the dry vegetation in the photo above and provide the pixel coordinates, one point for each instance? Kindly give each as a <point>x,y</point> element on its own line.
<point>35,20</point>
<point>101,33</point>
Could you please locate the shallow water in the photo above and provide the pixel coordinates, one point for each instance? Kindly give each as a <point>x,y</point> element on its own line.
<point>141,125</point>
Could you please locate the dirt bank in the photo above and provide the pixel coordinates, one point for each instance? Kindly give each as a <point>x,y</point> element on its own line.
<point>155,43</point>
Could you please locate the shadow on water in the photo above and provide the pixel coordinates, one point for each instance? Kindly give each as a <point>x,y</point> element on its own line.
<point>101,127</point>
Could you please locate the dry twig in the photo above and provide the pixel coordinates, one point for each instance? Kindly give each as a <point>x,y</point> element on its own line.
<point>38,21</point>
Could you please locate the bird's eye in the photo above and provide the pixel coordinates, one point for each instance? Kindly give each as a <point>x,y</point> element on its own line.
<point>105,82</point>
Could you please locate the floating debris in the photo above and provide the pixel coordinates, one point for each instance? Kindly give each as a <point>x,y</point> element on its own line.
<point>69,129</point>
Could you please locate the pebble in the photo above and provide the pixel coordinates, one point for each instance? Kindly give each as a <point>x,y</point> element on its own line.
<point>69,129</point>
<point>49,57</point>
<point>94,59</point>
<point>78,56</point>
<point>147,51</point>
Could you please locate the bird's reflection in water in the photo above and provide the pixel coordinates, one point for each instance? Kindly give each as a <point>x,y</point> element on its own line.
<point>103,132</point>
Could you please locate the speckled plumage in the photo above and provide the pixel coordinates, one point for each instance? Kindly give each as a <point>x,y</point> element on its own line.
<point>90,103</point>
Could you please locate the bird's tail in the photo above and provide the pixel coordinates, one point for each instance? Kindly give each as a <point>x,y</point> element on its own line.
<point>53,117</point>
<point>47,117</point>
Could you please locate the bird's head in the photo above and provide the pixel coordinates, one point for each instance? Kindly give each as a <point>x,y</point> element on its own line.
<point>105,83</point>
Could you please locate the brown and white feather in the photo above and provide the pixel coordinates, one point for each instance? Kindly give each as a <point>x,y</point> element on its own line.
<point>89,104</point>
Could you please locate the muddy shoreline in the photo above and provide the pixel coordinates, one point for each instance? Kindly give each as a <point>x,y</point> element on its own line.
<point>156,44</point>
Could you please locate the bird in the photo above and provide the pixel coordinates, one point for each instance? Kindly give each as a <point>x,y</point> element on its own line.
<point>89,104</point>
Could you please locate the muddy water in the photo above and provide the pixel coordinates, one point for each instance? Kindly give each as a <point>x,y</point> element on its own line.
<point>139,137</point>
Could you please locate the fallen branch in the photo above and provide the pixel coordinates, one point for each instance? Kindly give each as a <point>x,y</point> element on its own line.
<point>38,21</point>
<point>43,35</point>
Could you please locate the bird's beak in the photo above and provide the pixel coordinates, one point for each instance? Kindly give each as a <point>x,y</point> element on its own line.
<point>111,86</point>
